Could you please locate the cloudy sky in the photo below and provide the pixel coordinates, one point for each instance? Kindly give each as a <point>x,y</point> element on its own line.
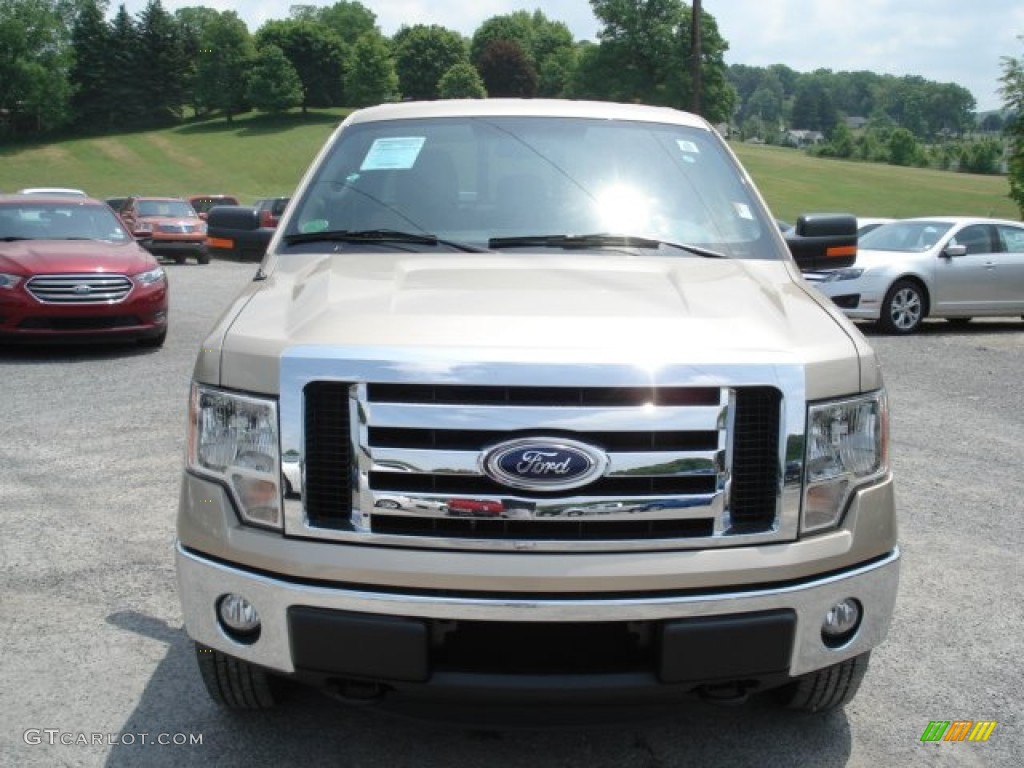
<point>947,41</point>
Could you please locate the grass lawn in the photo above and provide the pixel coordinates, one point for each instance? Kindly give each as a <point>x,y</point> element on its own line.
<point>260,156</point>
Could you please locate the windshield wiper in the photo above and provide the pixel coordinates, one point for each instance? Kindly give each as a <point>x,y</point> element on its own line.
<point>13,238</point>
<point>378,236</point>
<point>597,240</point>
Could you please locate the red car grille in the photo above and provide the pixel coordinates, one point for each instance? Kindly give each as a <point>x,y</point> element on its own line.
<point>79,289</point>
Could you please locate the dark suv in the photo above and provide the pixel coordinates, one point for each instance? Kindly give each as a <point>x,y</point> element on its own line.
<point>269,210</point>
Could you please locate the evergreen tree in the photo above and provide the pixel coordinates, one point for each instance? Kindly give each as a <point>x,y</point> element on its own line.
<point>91,71</point>
<point>1012,90</point>
<point>163,67</point>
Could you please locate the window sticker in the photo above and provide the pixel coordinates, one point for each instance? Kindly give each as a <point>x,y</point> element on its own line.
<point>743,210</point>
<point>687,146</point>
<point>397,153</point>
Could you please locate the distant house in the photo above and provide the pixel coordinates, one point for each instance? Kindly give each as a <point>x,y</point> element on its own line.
<point>801,138</point>
<point>856,122</point>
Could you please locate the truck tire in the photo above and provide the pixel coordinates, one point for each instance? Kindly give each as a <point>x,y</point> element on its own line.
<point>826,689</point>
<point>233,683</point>
<point>203,257</point>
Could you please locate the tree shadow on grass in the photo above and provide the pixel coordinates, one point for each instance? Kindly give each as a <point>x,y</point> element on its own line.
<point>260,125</point>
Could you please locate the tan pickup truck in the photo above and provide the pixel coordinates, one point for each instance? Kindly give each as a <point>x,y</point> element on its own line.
<point>528,404</point>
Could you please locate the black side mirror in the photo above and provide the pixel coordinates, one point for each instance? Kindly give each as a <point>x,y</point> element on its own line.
<point>823,241</point>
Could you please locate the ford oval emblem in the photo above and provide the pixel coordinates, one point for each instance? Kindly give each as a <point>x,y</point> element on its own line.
<point>544,463</point>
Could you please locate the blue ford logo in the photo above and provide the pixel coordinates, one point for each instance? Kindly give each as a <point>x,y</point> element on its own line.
<point>544,464</point>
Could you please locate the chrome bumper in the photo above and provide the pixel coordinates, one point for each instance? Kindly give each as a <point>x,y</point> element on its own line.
<point>201,582</point>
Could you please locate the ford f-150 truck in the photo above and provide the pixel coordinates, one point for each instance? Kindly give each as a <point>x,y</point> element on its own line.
<point>583,318</point>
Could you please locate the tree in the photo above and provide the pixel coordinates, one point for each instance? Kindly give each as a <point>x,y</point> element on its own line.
<point>90,73</point>
<point>35,57</point>
<point>192,25</point>
<point>225,60</point>
<point>423,54</point>
<point>348,20</point>
<point>644,55</point>
<point>273,85</point>
<point>317,54</point>
<point>462,81</point>
<point>506,71</point>
<point>546,45</point>
<point>123,87</point>
<point>371,76</point>
<point>162,68</point>
<point>903,148</point>
<point>1012,90</point>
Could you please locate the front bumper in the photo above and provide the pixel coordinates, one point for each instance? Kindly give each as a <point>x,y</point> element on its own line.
<point>325,630</point>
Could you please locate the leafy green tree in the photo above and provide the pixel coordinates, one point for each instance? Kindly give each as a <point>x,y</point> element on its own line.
<point>348,20</point>
<point>462,81</point>
<point>903,148</point>
<point>163,66</point>
<point>273,84</point>
<point>981,156</point>
<point>35,58</point>
<point>226,57</point>
<point>317,54</point>
<point>644,55</point>
<point>192,23</point>
<point>371,76</point>
<point>1012,91</point>
<point>423,54</point>
<point>90,73</point>
<point>506,70</point>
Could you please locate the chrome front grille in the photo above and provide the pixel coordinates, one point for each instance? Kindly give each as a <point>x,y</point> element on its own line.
<point>90,288</point>
<point>399,463</point>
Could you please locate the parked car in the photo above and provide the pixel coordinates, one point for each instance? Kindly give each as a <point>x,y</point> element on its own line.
<point>954,267</point>
<point>203,203</point>
<point>167,226</point>
<point>410,503</point>
<point>475,508</point>
<point>866,224</point>
<point>60,191</point>
<point>270,209</point>
<point>69,271</point>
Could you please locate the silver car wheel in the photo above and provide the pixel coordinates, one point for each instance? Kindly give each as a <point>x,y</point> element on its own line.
<point>903,309</point>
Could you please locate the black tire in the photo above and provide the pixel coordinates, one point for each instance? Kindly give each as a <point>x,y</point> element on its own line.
<point>203,257</point>
<point>233,683</point>
<point>903,308</point>
<point>827,689</point>
<point>153,342</point>
<point>179,259</point>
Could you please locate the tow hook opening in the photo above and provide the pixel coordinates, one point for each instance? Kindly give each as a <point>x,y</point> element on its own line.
<point>356,691</point>
<point>726,694</point>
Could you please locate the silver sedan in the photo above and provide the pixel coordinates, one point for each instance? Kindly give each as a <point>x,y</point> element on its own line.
<point>952,267</point>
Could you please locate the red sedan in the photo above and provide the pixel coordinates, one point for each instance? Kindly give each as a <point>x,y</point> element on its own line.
<point>69,271</point>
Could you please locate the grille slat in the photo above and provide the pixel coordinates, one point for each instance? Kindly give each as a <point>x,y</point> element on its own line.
<point>79,289</point>
<point>334,448</point>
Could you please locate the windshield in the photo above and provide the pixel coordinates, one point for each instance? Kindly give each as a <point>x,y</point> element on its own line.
<point>525,182</point>
<point>177,209</point>
<point>904,236</point>
<point>60,222</point>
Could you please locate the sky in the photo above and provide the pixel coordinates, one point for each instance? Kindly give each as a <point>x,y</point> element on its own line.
<point>945,41</point>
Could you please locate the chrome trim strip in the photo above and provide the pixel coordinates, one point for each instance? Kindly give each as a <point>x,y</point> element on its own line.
<point>517,417</point>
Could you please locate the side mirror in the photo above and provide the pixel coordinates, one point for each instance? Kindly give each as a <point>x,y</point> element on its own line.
<point>954,250</point>
<point>823,241</point>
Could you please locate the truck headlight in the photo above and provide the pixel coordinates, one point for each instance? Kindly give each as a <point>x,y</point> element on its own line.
<point>233,438</point>
<point>847,445</point>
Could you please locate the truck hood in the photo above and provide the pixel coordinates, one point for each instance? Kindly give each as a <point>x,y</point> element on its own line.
<point>587,308</point>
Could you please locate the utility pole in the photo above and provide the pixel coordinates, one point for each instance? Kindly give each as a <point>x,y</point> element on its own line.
<point>695,54</point>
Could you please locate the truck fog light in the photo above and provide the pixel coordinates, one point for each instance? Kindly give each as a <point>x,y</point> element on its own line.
<point>238,617</point>
<point>841,623</point>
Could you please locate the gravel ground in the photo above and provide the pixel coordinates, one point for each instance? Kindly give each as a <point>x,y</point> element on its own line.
<point>91,445</point>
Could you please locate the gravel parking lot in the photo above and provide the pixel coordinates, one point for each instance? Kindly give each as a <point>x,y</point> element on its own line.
<point>96,668</point>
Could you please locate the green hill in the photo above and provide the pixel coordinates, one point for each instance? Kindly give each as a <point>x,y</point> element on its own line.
<point>258,156</point>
